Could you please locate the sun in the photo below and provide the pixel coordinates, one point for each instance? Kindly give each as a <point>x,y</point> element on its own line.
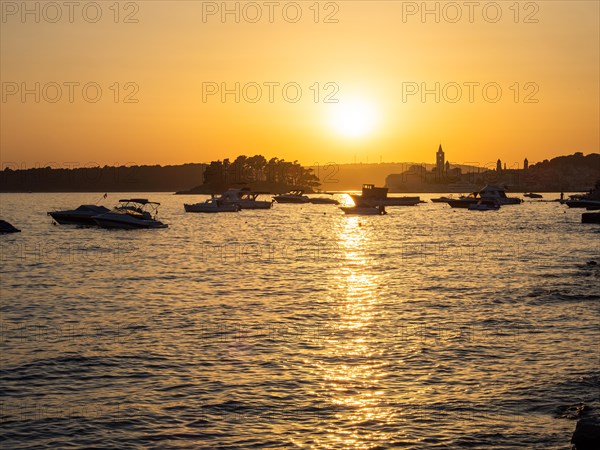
<point>353,118</point>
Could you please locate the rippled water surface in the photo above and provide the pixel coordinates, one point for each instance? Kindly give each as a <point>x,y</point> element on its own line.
<point>298,327</point>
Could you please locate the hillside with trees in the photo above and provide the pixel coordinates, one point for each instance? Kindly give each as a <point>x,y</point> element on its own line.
<point>101,179</point>
<point>273,176</point>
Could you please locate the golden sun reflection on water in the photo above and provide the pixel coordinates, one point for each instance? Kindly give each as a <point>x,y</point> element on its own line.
<point>353,379</point>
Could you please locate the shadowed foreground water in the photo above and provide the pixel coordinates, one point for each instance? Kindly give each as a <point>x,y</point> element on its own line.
<point>298,327</point>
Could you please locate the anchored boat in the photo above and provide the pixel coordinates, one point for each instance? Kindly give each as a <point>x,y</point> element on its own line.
<point>244,198</point>
<point>591,200</point>
<point>132,213</point>
<point>212,206</point>
<point>294,196</point>
<point>493,193</point>
<point>377,196</point>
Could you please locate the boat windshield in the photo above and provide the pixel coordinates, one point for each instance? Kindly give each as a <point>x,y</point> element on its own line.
<point>138,207</point>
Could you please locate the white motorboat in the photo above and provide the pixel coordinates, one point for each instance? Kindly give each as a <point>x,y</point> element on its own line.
<point>212,206</point>
<point>484,205</point>
<point>132,213</point>
<point>295,196</point>
<point>493,193</point>
<point>364,210</point>
<point>244,198</point>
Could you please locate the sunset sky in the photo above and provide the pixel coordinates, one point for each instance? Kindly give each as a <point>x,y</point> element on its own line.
<point>374,57</point>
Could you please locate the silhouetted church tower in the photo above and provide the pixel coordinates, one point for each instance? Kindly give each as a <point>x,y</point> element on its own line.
<point>525,164</point>
<point>439,161</point>
<point>499,166</point>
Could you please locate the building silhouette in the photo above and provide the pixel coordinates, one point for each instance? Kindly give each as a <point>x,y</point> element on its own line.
<point>440,162</point>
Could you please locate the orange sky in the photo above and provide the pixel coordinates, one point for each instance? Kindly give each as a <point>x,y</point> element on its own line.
<point>374,56</point>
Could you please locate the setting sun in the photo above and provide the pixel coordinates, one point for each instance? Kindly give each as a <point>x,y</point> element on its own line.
<point>353,118</point>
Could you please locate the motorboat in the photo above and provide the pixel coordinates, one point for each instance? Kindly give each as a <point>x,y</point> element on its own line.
<point>485,205</point>
<point>244,198</point>
<point>364,210</point>
<point>442,199</point>
<point>83,215</point>
<point>532,195</point>
<point>583,203</point>
<point>487,193</point>
<point>323,201</point>
<point>130,214</point>
<point>294,196</point>
<point>377,196</point>
<point>211,206</point>
<point>6,227</point>
<point>590,200</point>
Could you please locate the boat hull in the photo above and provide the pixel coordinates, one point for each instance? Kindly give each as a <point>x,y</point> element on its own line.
<point>483,208</point>
<point>362,211</point>
<point>388,201</point>
<point>6,227</point>
<point>462,203</point>
<point>291,200</point>
<point>583,203</point>
<point>203,208</point>
<point>72,219</point>
<point>467,202</point>
<point>110,221</point>
<point>324,201</point>
<point>84,215</point>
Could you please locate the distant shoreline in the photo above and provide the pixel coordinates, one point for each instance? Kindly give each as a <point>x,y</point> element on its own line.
<point>310,193</point>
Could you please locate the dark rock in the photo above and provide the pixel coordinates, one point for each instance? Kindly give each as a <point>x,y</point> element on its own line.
<point>590,218</point>
<point>587,434</point>
<point>572,412</point>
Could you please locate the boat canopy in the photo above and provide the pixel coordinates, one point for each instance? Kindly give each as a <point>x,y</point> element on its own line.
<point>141,201</point>
<point>370,191</point>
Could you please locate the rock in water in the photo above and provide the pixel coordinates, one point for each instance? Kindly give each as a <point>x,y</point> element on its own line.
<point>590,218</point>
<point>587,434</point>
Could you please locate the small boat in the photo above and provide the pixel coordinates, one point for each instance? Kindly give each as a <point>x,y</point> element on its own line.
<point>583,203</point>
<point>442,199</point>
<point>364,210</point>
<point>211,206</point>
<point>590,200</point>
<point>532,195</point>
<point>376,196</point>
<point>323,201</point>
<point>6,227</point>
<point>83,215</point>
<point>244,198</point>
<point>487,193</point>
<point>132,213</point>
<point>484,205</point>
<point>294,196</point>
